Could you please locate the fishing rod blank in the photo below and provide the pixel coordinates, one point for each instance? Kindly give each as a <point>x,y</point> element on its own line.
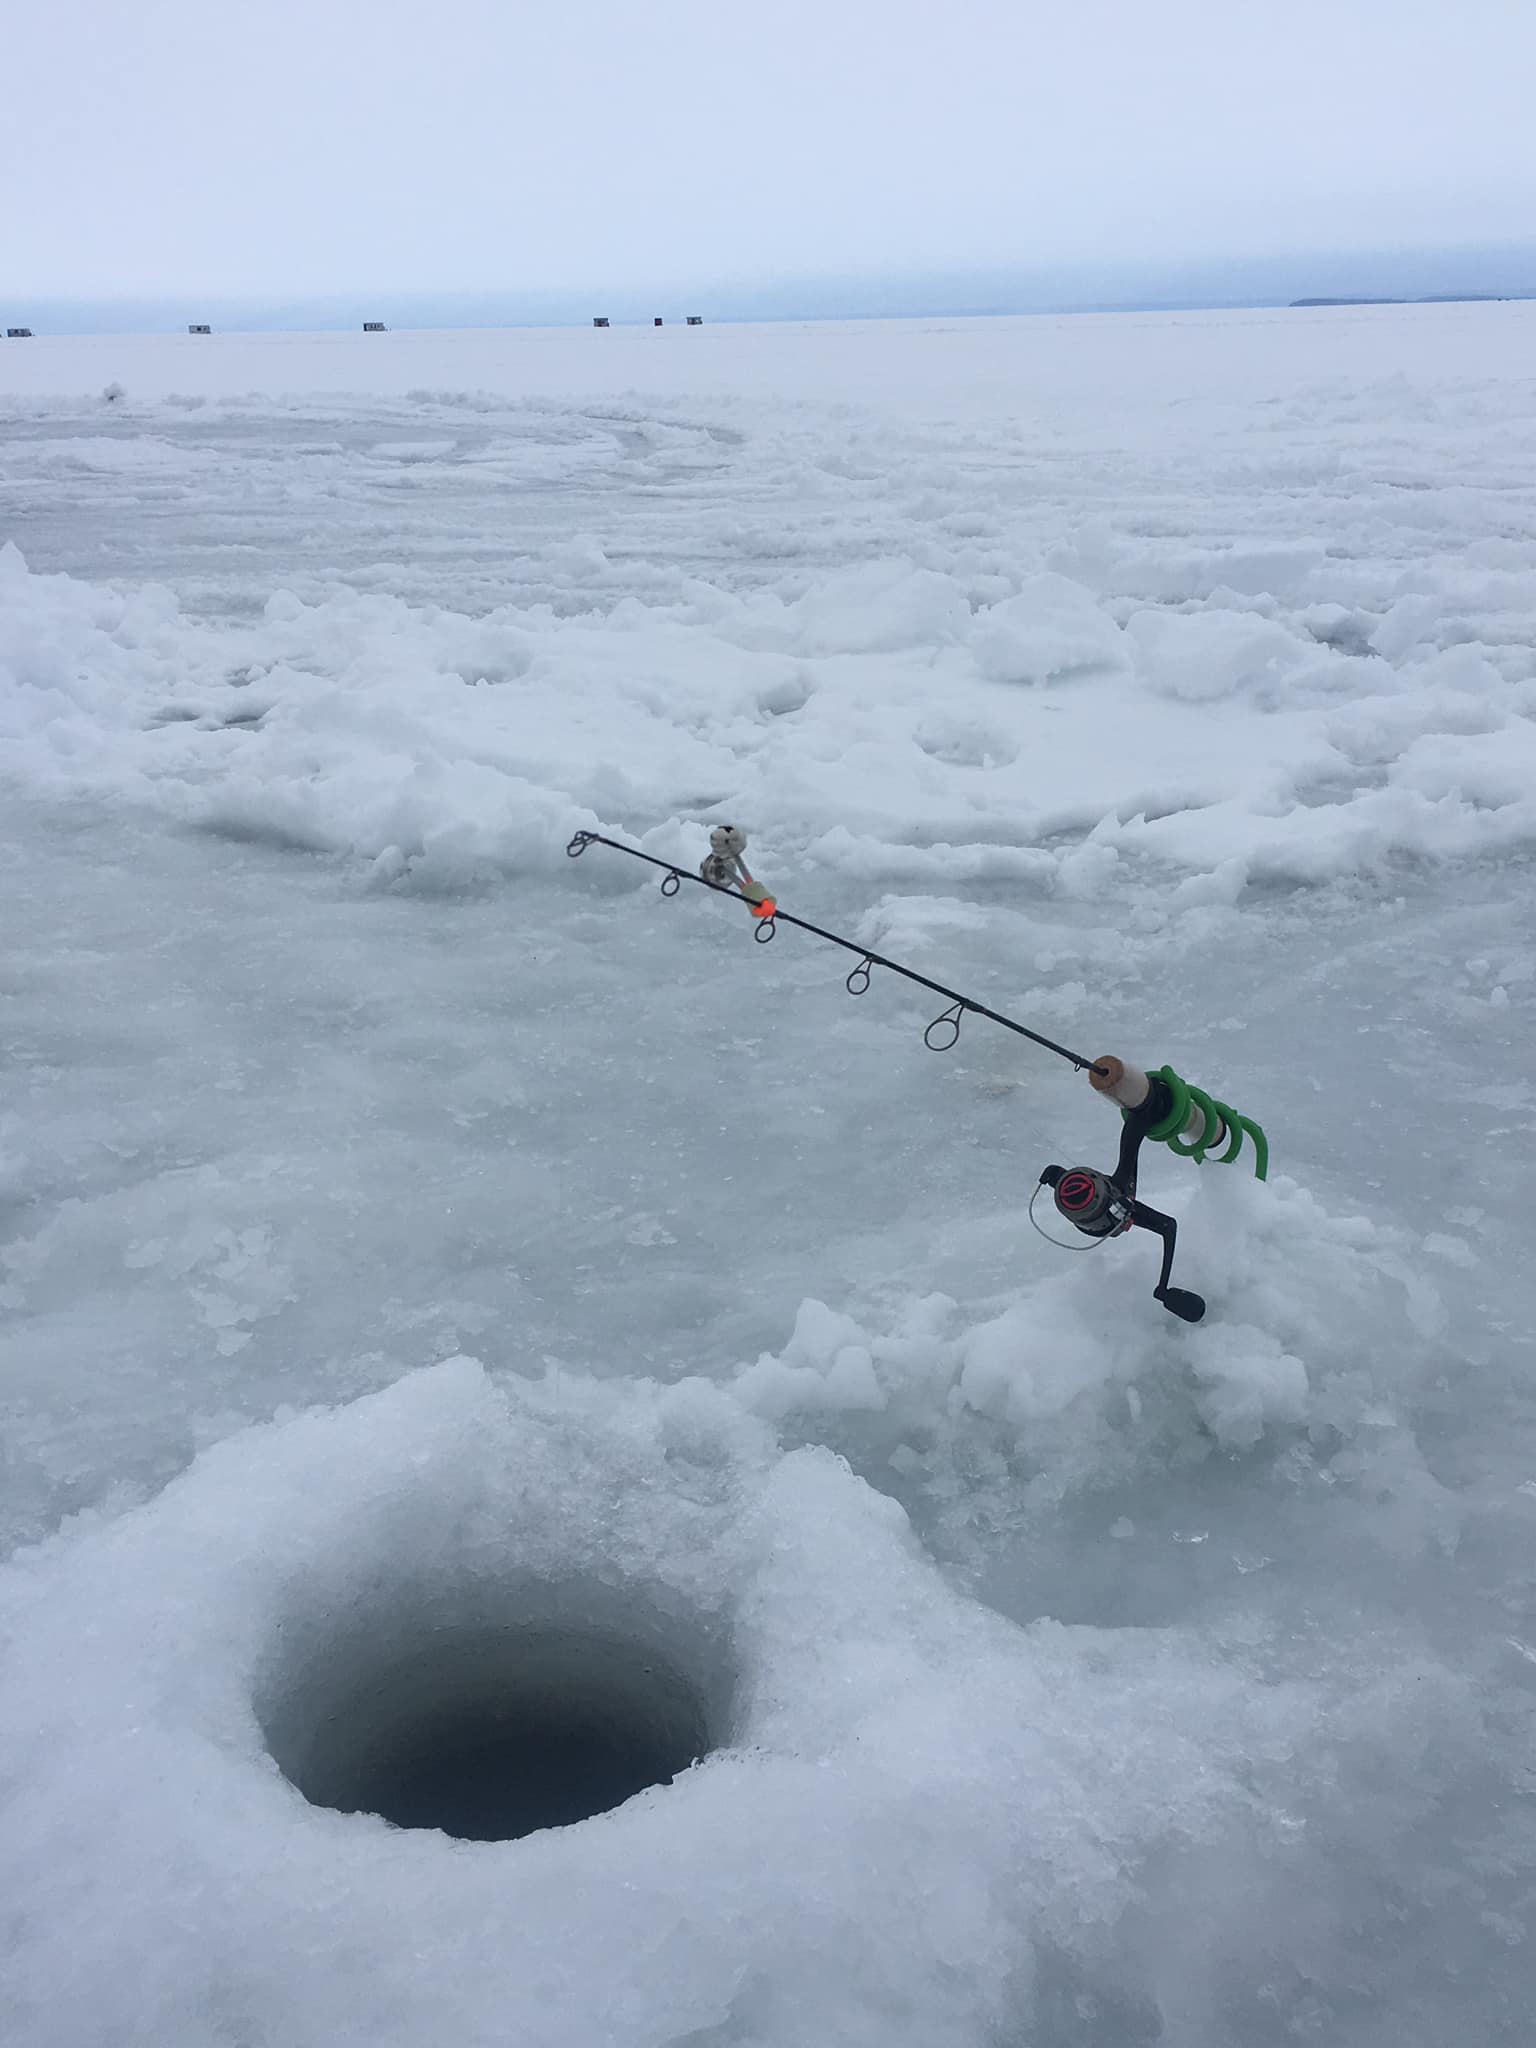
<point>1156,1106</point>
<point>769,915</point>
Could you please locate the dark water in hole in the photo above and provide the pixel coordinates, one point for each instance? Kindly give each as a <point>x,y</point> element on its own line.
<point>486,1732</point>
<point>499,1776</point>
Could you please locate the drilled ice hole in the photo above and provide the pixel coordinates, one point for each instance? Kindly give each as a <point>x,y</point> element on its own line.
<point>494,1715</point>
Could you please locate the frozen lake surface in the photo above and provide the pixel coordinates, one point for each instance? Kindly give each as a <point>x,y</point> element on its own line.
<point>413,1241</point>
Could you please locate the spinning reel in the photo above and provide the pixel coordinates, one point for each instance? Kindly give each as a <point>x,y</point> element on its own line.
<point>1162,1107</point>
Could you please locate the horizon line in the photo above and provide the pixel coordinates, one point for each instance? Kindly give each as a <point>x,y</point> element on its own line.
<point>333,322</point>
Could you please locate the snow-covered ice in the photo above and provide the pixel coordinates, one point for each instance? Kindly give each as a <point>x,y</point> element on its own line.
<point>408,1230</point>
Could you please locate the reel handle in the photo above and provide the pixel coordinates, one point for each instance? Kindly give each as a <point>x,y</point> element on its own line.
<point>1179,1301</point>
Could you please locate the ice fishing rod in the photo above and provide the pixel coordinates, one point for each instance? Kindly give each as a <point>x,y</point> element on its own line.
<point>1156,1106</point>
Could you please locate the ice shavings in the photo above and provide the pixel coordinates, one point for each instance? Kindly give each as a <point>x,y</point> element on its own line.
<point>362,724</point>
<point>1273,1357</point>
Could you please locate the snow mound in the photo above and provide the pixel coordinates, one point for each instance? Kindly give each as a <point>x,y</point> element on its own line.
<point>904,1793</point>
<point>1082,1372</point>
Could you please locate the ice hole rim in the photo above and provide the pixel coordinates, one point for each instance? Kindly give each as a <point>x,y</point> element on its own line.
<point>492,1708</point>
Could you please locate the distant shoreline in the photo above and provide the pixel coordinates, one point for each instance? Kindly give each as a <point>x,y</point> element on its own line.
<point>1423,299</point>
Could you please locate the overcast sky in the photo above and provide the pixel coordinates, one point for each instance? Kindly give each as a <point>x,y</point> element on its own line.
<point>299,145</point>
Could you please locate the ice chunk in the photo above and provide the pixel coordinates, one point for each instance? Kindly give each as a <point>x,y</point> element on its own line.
<point>1052,630</point>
